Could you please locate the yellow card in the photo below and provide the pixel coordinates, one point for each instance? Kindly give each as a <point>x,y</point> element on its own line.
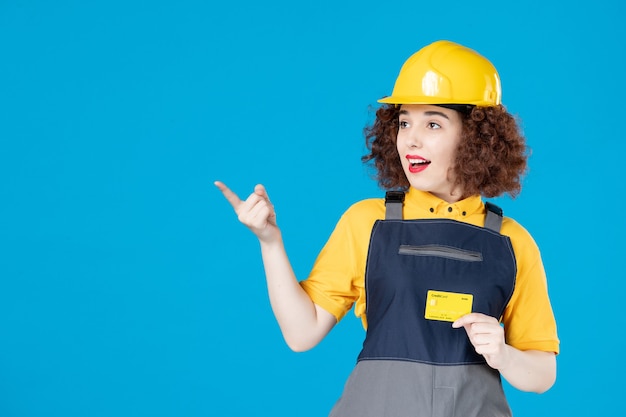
<point>447,306</point>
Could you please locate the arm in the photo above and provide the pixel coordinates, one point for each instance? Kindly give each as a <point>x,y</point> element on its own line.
<point>302,323</point>
<point>530,370</point>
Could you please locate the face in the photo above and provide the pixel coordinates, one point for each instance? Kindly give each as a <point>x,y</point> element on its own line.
<point>428,137</point>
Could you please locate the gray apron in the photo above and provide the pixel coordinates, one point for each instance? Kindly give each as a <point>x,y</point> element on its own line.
<point>419,367</point>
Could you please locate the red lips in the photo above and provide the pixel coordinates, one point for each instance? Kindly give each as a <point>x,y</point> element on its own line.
<point>417,163</point>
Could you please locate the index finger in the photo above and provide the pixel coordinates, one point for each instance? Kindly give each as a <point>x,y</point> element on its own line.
<point>232,198</point>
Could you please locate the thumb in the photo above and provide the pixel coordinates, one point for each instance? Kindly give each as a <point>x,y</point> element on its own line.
<point>260,190</point>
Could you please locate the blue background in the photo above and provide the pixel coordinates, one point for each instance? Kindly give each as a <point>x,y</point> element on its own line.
<point>127,286</point>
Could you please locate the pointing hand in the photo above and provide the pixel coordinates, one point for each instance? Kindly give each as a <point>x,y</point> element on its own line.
<point>256,212</point>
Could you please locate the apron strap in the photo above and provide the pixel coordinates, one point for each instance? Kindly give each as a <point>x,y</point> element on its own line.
<point>493,219</point>
<point>393,205</point>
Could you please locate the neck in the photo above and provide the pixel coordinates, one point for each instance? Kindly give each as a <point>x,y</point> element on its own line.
<point>451,197</point>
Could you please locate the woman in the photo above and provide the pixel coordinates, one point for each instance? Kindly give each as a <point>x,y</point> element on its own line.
<point>452,293</point>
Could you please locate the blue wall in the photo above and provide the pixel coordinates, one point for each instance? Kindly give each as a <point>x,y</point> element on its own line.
<point>127,286</point>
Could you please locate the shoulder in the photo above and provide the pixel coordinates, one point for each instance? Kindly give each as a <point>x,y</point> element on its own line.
<point>511,228</point>
<point>522,241</point>
<point>360,217</point>
<point>367,209</point>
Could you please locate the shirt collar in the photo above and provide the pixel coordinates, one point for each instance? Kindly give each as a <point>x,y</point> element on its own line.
<point>424,204</point>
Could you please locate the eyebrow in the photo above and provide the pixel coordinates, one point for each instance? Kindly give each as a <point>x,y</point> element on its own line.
<point>428,113</point>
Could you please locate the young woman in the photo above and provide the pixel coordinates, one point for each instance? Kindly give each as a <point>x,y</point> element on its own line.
<point>453,295</point>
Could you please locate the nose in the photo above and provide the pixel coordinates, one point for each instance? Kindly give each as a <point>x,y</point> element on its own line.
<point>412,140</point>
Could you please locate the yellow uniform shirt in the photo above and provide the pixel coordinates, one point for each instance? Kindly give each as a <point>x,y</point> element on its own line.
<point>337,280</point>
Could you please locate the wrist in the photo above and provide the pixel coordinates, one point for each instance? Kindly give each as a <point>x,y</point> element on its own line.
<point>271,239</point>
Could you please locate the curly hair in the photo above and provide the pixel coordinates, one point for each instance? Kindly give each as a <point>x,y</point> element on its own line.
<point>490,160</point>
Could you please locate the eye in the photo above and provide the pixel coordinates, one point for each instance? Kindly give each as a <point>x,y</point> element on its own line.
<point>433,125</point>
<point>403,124</point>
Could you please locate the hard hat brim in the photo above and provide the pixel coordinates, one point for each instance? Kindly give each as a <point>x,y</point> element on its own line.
<point>431,100</point>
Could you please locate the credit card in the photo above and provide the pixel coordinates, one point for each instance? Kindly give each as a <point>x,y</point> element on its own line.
<point>447,306</point>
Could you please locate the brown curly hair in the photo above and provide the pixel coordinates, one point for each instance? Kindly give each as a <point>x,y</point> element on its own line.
<point>490,160</point>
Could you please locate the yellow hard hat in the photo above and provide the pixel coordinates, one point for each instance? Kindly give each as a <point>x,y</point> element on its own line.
<point>445,72</point>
